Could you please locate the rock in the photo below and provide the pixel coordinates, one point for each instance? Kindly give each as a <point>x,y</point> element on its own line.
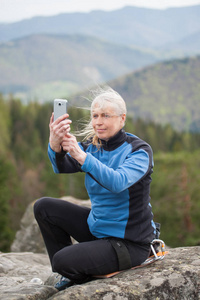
<point>28,275</point>
<point>29,238</point>
<point>18,273</point>
<point>177,276</point>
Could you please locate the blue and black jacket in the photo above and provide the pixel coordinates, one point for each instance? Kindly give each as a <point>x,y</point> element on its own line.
<point>118,177</point>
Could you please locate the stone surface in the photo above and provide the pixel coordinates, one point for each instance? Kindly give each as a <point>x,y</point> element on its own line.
<point>28,275</point>
<point>17,271</point>
<point>175,277</point>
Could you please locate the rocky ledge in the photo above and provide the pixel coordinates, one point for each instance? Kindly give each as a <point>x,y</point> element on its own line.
<point>28,276</point>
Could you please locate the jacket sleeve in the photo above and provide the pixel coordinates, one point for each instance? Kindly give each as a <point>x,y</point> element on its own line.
<point>63,162</point>
<point>135,167</point>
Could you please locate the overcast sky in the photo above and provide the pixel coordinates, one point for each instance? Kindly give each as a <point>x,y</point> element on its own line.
<point>15,10</point>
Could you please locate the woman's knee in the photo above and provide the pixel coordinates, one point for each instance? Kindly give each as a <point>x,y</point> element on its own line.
<point>57,263</point>
<point>65,261</point>
<point>39,205</point>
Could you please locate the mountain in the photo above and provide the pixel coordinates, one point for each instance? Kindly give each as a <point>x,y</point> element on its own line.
<point>42,66</point>
<point>167,92</point>
<point>130,25</point>
<point>47,57</point>
<point>188,45</point>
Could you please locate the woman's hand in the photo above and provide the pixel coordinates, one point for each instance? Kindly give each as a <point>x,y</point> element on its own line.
<point>70,145</point>
<point>58,129</point>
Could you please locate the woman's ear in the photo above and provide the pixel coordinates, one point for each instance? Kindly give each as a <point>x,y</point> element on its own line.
<point>123,118</point>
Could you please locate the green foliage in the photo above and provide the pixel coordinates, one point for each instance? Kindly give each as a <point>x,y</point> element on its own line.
<point>5,126</point>
<point>58,185</point>
<point>175,193</point>
<point>163,138</point>
<point>26,172</point>
<point>6,185</point>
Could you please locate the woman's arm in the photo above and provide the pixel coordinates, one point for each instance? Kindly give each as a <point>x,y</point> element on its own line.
<point>70,145</point>
<point>62,162</point>
<point>135,167</point>
<point>60,142</point>
<point>70,157</point>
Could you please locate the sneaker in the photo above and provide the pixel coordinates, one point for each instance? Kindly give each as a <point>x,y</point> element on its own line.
<point>63,283</point>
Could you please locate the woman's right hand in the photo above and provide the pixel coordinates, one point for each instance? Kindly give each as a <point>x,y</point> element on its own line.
<point>58,129</point>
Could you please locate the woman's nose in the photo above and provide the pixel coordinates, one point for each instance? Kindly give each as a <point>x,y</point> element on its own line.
<point>99,120</point>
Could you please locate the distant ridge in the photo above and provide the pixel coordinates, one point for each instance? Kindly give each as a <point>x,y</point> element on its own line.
<point>129,26</point>
<point>45,57</point>
<point>44,66</point>
<point>167,92</point>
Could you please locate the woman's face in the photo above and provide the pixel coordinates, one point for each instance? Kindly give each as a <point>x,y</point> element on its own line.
<point>105,122</point>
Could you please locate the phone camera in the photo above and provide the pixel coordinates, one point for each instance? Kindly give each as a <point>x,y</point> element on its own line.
<point>59,104</point>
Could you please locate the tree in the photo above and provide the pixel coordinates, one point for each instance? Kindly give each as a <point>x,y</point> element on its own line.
<point>6,233</point>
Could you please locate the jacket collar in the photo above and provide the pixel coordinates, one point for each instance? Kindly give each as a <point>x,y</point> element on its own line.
<point>115,141</point>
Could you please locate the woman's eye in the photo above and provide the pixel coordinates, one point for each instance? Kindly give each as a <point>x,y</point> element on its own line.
<point>106,116</point>
<point>95,116</point>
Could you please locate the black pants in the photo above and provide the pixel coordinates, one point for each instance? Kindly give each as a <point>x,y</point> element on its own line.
<point>58,220</point>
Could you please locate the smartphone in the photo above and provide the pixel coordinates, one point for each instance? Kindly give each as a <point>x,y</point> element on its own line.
<point>60,108</point>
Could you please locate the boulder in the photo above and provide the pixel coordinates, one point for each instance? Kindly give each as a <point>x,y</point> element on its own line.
<point>177,276</point>
<point>28,238</point>
<point>22,276</point>
<point>27,275</point>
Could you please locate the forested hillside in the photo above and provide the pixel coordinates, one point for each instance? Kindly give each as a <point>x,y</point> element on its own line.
<point>45,66</point>
<point>167,92</point>
<point>46,57</point>
<point>26,173</point>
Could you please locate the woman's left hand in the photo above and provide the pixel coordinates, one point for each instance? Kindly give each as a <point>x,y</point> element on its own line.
<point>70,145</point>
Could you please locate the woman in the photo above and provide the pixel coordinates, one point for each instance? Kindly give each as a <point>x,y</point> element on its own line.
<point>116,233</point>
